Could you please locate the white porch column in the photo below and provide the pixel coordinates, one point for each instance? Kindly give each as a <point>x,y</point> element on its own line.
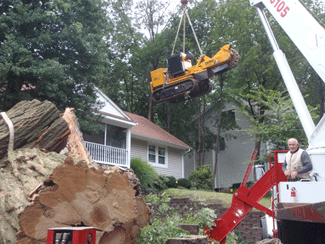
<point>128,147</point>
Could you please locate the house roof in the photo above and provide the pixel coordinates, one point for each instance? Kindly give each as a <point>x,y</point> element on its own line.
<point>147,130</point>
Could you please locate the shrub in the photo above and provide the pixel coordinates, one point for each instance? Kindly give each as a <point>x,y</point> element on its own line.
<point>161,183</point>
<point>155,198</point>
<point>160,230</point>
<point>145,173</point>
<point>202,177</point>
<point>185,183</point>
<point>171,182</point>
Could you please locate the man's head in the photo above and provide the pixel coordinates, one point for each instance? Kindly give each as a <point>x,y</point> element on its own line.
<point>293,145</point>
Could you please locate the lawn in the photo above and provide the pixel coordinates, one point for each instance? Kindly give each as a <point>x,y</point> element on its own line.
<point>209,196</point>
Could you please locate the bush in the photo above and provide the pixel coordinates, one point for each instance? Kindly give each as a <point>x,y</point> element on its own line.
<point>145,173</point>
<point>161,183</point>
<point>185,183</point>
<point>202,177</point>
<point>171,182</point>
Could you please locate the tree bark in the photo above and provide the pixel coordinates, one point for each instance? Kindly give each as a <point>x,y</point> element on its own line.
<point>198,151</point>
<point>36,124</point>
<point>214,173</point>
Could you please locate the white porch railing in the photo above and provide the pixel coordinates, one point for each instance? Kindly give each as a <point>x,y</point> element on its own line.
<point>107,154</point>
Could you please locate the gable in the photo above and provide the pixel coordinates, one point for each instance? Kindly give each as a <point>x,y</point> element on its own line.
<point>109,106</point>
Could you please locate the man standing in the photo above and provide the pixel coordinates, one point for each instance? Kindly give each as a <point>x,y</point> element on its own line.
<point>297,163</point>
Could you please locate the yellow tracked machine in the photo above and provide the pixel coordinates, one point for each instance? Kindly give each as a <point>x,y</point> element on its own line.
<point>182,81</point>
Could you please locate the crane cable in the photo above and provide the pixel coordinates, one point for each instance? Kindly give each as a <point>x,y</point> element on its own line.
<point>185,13</point>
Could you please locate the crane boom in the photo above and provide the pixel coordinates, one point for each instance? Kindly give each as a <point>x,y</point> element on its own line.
<point>302,28</point>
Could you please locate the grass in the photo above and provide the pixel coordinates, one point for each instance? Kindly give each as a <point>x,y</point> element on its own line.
<point>209,196</point>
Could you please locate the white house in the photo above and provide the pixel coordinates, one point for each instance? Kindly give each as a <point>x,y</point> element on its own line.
<point>162,150</point>
<point>126,135</point>
<point>112,145</point>
<point>234,154</point>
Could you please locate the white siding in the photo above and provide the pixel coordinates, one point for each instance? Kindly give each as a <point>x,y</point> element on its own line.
<point>139,149</point>
<point>234,159</point>
<point>174,164</point>
<point>189,164</point>
<point>109,106</point>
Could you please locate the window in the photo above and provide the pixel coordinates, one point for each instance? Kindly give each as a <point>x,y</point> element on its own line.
<point>115,136</point>
<point>157,155</point>
<point>161,155</point>
<point>152,154</point>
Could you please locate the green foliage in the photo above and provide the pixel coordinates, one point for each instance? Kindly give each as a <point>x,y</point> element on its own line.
<point>155,198</point>
<point>163,208</point>
<point>279,123</point>
<point>160,230</point>
<point>161,183</point>
<point>145,173</point>
<point>171,182</point>
<point>167,227</point>
<point>186,183</point>
<point>204,217</point>
<point>56,50</point>
<point>202,177</point>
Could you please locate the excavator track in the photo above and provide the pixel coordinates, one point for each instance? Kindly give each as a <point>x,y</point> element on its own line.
<point>175,91</point>
<point>204,87</point>
<point>183,90</point>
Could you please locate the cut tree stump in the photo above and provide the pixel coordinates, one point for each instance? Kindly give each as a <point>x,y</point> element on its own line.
<point>76,195</point>
<point>41,189</point>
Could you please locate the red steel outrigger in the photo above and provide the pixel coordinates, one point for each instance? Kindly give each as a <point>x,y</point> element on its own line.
<point>244,199</point>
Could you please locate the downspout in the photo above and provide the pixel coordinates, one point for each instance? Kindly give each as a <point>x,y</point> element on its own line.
<point>183,156</point>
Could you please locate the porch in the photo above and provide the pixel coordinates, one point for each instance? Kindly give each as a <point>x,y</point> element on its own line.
<point>108,154</point>
<point>111,145</point>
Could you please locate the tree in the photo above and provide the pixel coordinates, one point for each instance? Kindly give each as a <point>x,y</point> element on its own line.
<point>52,50</point>
<point>280,122</point>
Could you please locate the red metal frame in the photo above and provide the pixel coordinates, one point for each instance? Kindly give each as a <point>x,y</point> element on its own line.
<point>80,235</point>
<point>245,199</point>
<point>249,168</point>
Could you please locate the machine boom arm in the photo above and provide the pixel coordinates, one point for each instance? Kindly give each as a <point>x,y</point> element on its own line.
<point>303,29</point>
<point>308,35</point>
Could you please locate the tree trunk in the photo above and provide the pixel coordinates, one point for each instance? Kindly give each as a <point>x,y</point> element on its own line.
<point>55,190</point>
<point>150,114</point>
<point>36,124</point>
<point>214,173</point>
<point>199,133</point>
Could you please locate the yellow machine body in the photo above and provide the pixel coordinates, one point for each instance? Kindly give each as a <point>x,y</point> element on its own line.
<point>190,81</point>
